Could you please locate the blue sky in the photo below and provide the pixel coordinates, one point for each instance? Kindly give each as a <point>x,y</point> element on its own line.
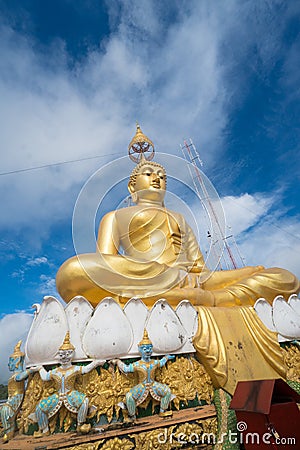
<point>74,78</point>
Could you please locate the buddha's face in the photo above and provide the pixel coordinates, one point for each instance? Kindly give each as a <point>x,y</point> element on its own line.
<point>150,183</point>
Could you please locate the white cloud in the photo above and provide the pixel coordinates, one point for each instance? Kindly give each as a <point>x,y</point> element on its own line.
<point>264,235</point>
<point>29,265</point>
<point>37,261</point>
<point>13,327</point>
<point>50,113</point>
<point>48,285</point>
<point>274,243</point>
<point>244,211</point>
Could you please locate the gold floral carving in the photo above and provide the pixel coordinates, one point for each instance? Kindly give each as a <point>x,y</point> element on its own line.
<point>106,390</point>
<point>187,379</point>
<point>291,358</point>
<point>118,444</point>
<point>88,446</point>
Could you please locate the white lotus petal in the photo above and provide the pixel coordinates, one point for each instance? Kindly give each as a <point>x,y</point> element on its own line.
<point>78,312</point>
<point>282,338</point>
<point>188,316</point>
<point>47,333</point>
<point>108,333</point>
<point>264,312</point>
<point>136,312</point>
<point>286,320</point>
<point>294,302</point>
<point>165,329</point>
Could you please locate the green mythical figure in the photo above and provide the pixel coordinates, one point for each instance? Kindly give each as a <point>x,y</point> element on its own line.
<point>16,390</point>
<point>145,368</point>
<point>64,377</point>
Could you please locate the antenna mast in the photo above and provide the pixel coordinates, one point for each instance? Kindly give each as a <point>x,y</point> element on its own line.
<point>221,250</point>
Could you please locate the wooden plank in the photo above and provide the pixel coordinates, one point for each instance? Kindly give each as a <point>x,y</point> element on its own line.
<point>65,440</point>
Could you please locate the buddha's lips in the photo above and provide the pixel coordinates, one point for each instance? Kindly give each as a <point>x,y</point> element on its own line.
<point>155,185</point>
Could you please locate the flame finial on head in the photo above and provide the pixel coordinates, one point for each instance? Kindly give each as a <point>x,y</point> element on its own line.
<point>140,147</point>
<point>17,351</point>
<point>66,345</point>
<point>145,340</point>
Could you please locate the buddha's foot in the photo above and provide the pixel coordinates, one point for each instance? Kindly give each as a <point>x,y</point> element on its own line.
<point>84,428</point>
<point>166,413</point>
<point>38,434</point>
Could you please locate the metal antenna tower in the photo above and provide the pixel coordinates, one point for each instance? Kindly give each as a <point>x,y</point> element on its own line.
<point>221,251</point>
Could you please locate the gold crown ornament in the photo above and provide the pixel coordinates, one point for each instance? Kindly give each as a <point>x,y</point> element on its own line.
<point>140,147</point>
<point>17,351</point>
<point>66,345</point>
<point>145,340</point>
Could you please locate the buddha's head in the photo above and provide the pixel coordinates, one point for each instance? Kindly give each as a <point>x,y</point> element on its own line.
<point>148,181</point>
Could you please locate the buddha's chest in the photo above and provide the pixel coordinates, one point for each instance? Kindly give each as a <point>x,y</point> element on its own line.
<point>151,230</point>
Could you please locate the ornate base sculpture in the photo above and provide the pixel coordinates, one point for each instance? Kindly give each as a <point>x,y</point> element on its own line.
<point>145,369</point>
<point>66,395</point>
<point>16,390</point>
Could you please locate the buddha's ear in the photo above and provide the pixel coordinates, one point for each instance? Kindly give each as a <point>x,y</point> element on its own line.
<point>131,187</point>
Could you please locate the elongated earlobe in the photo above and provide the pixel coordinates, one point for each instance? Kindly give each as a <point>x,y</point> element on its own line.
<point>132,191</point>
<point>134,197</point>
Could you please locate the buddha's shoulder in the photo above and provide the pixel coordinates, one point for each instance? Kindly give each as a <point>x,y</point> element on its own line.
<point>108,216</point>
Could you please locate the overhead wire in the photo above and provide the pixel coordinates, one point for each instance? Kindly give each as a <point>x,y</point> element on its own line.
<point>28,169</point>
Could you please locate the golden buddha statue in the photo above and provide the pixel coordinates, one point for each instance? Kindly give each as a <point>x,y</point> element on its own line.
<point>160,255</point>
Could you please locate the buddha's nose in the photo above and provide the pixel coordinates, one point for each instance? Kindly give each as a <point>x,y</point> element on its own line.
<point>155,176</point>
